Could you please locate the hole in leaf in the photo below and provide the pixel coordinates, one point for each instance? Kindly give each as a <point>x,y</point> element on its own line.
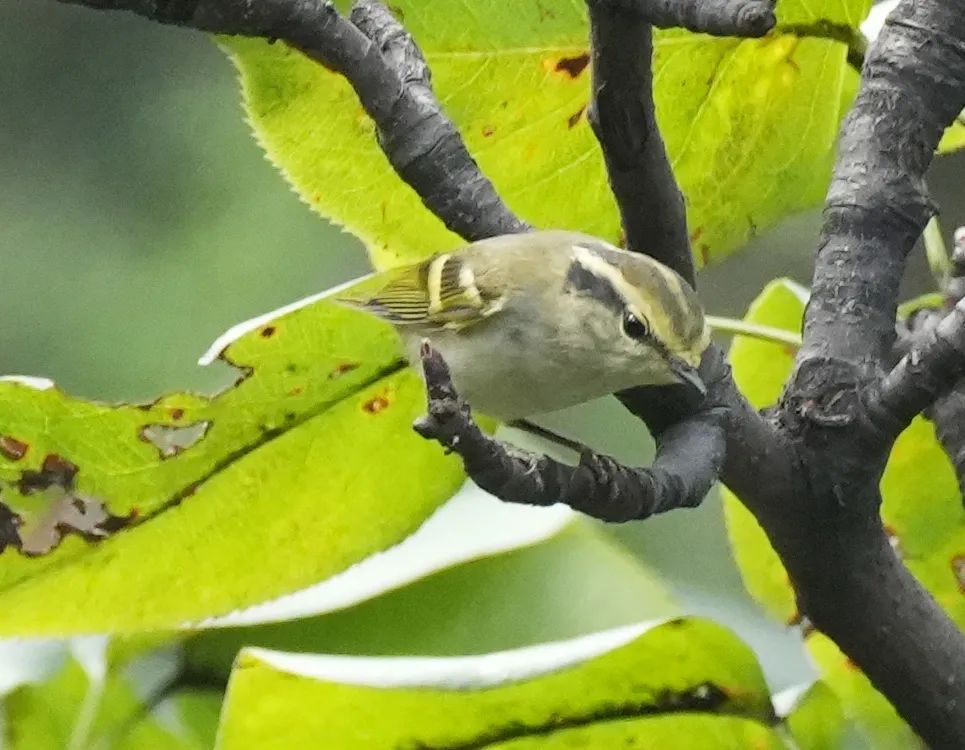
<point>172,440</point>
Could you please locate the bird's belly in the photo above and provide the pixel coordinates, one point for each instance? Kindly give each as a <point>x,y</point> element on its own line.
<point>510,379</point>
<point>514,390</point>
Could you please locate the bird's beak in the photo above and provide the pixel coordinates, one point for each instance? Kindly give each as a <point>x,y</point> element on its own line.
<point>687,375</point>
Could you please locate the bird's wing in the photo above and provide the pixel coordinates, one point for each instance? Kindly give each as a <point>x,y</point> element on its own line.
<point>439,292</point>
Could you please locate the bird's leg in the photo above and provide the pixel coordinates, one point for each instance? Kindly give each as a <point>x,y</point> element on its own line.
<point>532,428</point>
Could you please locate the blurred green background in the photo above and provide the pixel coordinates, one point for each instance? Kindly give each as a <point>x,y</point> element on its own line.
<point>139,220</point>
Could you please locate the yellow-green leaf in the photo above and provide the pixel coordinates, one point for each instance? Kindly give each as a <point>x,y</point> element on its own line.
<point>596,691</point>
<point>578,582</point>
<point>760,369</point>
<point>816,721</point>
<point>749,124</point>
<point>76,711</point>
<point>877,718</point>
<point>954,137</point>
<point>305,466</point>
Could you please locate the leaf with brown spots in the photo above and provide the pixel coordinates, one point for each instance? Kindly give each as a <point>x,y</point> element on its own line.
<point>170,440</point>
<point>12,449</point>
<point>958,570</point>
<point>376,404</point>
<point>573,66</point>
<point>749,124</point>
<point>127,517</point>
<point>42,506</point>
<point>574,118</point>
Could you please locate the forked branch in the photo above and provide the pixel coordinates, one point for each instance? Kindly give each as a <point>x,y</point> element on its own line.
<point>948,410</point>
<point>623,113</point>
<point>912,87</point>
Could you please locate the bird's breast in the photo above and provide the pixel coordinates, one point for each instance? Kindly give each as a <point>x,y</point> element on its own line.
<point>510,372</point>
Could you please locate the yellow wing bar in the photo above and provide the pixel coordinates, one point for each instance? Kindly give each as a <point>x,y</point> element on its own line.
<point>440,291</point>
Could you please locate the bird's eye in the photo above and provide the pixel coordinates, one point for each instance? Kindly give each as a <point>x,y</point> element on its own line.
<point>634,327</point>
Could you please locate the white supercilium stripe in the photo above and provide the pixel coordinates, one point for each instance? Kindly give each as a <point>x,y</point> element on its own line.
<point>601,269</point>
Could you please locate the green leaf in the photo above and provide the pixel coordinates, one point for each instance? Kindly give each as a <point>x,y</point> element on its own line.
<point>816,721</point>
<point>186,721</point>
<point>760,369</point>
<point>749,124</point>
<point>597,691</point>
<point>954,137</point>
<point>575,583</point>
<point>683,732</point>
<point>921,509</point>
<point>285,485</point>
<point>74,710</point>
<point>440,543</point>
<point>879,721</point>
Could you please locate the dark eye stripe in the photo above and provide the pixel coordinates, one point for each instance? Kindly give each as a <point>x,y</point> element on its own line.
<point>581,281</point>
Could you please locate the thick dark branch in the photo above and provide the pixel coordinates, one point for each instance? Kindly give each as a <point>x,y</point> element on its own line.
<point>654,217</point>
<point>761,465</point>
<point>840,418</point>
<point>623,115</point>
<point>624,119</point>
<point>384,66</point>
<point>750,18</point>
<point>860,594</point>
<point>421,143</point>
<point>689,457</point>
<point>912,86</point>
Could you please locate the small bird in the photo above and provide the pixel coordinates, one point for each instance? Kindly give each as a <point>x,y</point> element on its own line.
<point>535,322</point>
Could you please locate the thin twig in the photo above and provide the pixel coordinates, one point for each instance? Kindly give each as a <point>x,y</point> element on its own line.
<point>948,410</point>
<point>754,330</point>
<point>930,369</point>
